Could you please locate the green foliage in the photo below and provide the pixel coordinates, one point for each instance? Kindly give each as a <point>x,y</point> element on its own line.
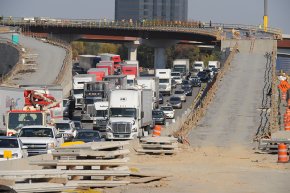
<point>145,56</point>
<point>108,48</point>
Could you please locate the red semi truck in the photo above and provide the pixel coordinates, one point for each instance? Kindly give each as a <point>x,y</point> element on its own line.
<point>107,65</point>
<point>112,57</point>
<point>99,72</point>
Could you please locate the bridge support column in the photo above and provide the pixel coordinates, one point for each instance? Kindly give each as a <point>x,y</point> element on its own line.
<point>132,50</point>
<point>159,58</point>
<point>159,46</point>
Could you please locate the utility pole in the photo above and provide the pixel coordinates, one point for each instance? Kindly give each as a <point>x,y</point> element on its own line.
<point>265,15</point>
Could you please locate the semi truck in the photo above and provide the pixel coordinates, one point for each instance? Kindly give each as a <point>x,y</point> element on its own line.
<point>119,81</point>
<point>88,61</point>
<point>152,83</point>
<point>198,65</point>
<point>95,108</point>
<point>112,57</point>
<point>130,114</point>
<point>106,65</point>
<point>164,76</point>
<point>214,64</point>
<point>182,66</point>
<point>78,87</point>
<point>99,72</point>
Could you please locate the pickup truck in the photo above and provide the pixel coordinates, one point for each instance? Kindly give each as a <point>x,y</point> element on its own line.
<point>40,139</point>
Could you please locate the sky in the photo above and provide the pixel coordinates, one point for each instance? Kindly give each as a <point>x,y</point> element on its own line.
<point>219,11</point>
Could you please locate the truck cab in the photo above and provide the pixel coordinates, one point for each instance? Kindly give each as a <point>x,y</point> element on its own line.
<point>130,114</point>
<point>164,76</point>
<point>199,65</point>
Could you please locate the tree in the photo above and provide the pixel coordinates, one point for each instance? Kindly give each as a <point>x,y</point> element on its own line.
<point>108,48</point>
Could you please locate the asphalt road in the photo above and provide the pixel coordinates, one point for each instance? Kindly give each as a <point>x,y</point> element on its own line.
<point>49,59</point>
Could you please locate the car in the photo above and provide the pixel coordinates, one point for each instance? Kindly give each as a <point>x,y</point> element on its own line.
<point>12,148</point>
<point>159,117</point>
<point>215,70</point>
<point>175,102</point>
<point>177,77</point>
<point>40,139</point>
<point>88,135</point>
<point>68,106</point>
<point>168,111</point>
<point>195,82</point>
<point>185,83</point>
<point>161,98</point>
<point>180,94</point>
<point>78,125</point>
<point>210,72</point>
<point>203,76</point>
<point>188,90</point>
<point>66,128</point>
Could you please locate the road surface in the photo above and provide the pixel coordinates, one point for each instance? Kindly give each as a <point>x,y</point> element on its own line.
<point>49,60</point>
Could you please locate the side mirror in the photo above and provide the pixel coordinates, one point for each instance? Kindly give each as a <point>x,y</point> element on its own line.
<point>142,114</point>
<point>58,136</point>
<point>4,123</point>
<point>24,147</point>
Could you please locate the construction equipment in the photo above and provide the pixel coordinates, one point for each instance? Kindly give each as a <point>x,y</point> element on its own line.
<point>40,108</point>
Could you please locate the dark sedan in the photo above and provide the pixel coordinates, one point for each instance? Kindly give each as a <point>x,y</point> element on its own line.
<point>196,82</point>
<point>88,136</point>
<point>187,90</point>
<point>175,102</point>
<point>204,76</point>
<point>159,117</point>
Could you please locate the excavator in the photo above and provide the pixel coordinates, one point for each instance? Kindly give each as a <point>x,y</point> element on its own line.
<point>40,108</point>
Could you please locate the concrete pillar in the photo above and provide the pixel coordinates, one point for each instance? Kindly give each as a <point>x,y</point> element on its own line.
<point>159,46</point>
<point>159,58</point>
<point>132,50</point>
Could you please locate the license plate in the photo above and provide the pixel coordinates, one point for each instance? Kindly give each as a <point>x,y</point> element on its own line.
<point>121,136</point>
<point>7,154</point>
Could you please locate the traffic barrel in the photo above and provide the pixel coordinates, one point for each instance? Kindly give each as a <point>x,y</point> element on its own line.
<point>157,131</point>
<point>282,153</point>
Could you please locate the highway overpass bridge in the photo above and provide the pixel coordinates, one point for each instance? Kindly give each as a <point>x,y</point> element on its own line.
<point>156,34</point>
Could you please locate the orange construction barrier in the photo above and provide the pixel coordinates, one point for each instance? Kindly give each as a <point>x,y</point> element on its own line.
<point>282,153</point>
<point>288,103</point>
<point>287,126</point>
<point>288,111</point>
<point>157,131</point>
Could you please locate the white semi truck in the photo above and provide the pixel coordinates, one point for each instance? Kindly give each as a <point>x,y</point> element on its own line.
<point>78,87</point>
<point>164,76</point>
<point>198,65</point>
<point>130,114</point>
<point>152,83</point>
<point>181,65</point>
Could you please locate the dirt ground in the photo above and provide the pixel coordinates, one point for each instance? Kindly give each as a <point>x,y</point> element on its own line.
<point>210,169</point>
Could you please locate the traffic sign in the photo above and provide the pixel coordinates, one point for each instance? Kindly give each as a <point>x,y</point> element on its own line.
<point>284,86</point>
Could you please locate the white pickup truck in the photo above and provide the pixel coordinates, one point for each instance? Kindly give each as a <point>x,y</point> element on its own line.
<point>40,139</point>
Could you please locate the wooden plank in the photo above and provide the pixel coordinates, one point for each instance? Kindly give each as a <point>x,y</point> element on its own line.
<point>7,182</point>
<point>95,183</point>
<point>161,146</point>
<point>38,187</point>
<point>113,162</point>
<point>159,139</point>
<point>32,174</point>
<point>98,145</point>
<point>85,153</point>
<point>97,173</point>
<point>156,151</point>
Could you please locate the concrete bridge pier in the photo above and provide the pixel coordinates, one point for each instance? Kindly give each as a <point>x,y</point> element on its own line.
<point>132,49</point>
<point>159,46</point>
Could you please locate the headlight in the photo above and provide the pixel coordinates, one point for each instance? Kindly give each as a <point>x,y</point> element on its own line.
<point>15,155</point>
<point>50,145</point>
<point>134,130</point>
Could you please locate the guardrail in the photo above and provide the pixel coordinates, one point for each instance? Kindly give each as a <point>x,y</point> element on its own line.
<point>210,29</point>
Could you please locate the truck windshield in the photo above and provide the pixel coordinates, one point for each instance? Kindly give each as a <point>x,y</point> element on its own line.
<point>9,143</point>
<point>198,65</point>
<point>123,112</point>
<point>163,80</point>
<point>78,91</point>
<point>18,120</point>
<point>101,113</point>
<point>63,126</point>
<point>36,132</point>
<point>179,69</point>
<point>211,66</point>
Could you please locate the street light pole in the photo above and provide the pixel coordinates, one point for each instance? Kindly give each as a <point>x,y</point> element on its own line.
<point>265,15</point>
